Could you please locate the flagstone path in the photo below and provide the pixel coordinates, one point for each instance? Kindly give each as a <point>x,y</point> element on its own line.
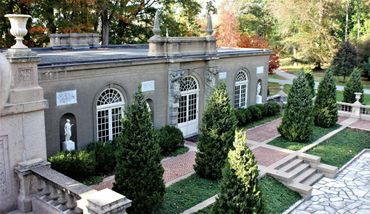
<point>349,192</point>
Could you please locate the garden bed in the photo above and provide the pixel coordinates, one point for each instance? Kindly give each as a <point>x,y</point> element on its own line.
<point>295,146</point>
<point>277,198</point>
<point>342,147</point>
<point>262,121</point>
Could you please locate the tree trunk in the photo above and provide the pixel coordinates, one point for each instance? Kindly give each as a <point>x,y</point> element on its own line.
<point>105,26</point>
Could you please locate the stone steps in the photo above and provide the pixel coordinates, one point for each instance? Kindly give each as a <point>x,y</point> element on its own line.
<point>299,172</point>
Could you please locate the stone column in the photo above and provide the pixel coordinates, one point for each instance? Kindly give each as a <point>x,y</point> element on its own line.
<point>174,94</point>
<point>356,107</point>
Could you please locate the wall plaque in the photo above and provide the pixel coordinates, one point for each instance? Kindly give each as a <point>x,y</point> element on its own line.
<point>222,75</point>
<point>260,70</point>
<point>148,86</point>
<point>66,97</point>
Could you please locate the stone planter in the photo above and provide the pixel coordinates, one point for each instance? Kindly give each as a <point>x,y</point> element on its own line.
<point>18,28</point>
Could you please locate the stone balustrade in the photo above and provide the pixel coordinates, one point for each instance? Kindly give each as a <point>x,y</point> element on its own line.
<point>44,190</point>
<point>355,110</point>
<point>74,40</point>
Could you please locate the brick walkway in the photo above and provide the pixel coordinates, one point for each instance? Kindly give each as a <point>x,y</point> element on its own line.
<point>264,132</point>
<point>266,156</point>
<point>361,124</point>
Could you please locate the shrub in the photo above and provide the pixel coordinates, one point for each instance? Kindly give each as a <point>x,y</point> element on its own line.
<point>262,109</point>
<point>139,173</point>
<point>239,184</point>
<point>78,165</point>
<point>169,138</point>
<point>272,108</point>
<point>216,134</point>
<point>325,109</point>
<point>105,157</point>
<point>240,117</point>
<point>297,123</point>
<point>274,62</point>
<point>256,113</point>
<point>345,60</point>
<point>353,85</point>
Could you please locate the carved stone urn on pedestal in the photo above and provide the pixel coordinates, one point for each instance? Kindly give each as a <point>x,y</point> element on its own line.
<point>18,28</point>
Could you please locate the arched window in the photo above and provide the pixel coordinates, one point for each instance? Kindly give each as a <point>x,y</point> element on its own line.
<point>188,106</point>
<point>109,111</point>
<point>241,90</point>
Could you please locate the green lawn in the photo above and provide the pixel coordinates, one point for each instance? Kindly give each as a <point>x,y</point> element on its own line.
<point>342,147</point>
<point>187,193</point>
<point>295,146</point>
<point>275,76</point>
<point>277,198</point>
<point>274,88</point>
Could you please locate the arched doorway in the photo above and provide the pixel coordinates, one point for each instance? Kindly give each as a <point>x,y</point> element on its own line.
<point>109,111</point>
<point>188,106</point>
<point>241,90</point>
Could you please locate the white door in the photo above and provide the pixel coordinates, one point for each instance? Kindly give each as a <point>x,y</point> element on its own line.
<point>188,107</point>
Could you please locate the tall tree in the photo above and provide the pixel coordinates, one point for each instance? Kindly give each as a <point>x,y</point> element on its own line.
<point>139,173</point>
<point>345,60</point>
<point>216,135</point>
<point>297,123</point>
<point>239,185</point>
<point>227,32</point>
<point>325,109</point>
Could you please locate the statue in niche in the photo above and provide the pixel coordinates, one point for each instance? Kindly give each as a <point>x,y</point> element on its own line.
<point>69,145</point>
<point>211,76</point>
<point>259,93</point>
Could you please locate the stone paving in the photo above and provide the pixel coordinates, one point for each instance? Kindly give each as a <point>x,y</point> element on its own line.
<point>361,124</point>
<point>349,192</point>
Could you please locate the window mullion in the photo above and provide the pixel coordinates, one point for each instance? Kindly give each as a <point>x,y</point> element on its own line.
<point>110,131</point>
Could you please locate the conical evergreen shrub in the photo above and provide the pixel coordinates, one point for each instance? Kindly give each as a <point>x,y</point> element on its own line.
<point>297,123</point>
<point>311,82</point>
<point>239,185</point>
<point>216,134</point>
<point>353,85</point>
<point>139,173</point>
<point>325,109</point>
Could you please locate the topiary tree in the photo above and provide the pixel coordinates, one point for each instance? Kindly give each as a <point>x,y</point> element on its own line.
<point>239,184</point>
<point>353,85</point>
<point>139,172</point>
<point>216,134</point>
<point>297,123</point>
<point>311,82</point>
<point>345,60</point>
<point>325,109</point>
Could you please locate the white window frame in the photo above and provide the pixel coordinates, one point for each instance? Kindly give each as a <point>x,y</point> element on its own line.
<point>239,82</point>
<point>108,107</point>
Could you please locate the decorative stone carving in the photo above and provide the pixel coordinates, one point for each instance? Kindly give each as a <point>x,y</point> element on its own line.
<point>4,168</point>
<point>69,145</point>
<point>210,77</point>
<point>259,93</point>
<point>156,27</point>
<point>174,78</point>
<point>209,25</point>
<point>18,28</point>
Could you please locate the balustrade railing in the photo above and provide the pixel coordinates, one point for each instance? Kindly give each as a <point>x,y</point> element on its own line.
<point>44,190</point>
<point>356,109</point>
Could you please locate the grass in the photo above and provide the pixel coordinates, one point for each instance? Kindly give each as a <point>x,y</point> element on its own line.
<point>274,88</point>
<point>275,76</point>
<point>277,198</point>
<point>295,146</point>
<point>342,147</point>
<point>187,193</point>
<point>263,121</point>
<point>179,151</point>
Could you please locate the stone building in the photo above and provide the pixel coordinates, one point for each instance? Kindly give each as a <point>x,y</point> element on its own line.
<point>93,86</point>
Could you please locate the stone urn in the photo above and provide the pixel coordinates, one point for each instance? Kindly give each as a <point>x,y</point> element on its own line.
<point>18,28</point>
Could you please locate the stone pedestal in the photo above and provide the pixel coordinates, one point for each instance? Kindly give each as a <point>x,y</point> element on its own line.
<point>69,145</point>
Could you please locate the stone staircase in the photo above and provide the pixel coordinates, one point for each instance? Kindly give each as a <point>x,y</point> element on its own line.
<point>300,171</point>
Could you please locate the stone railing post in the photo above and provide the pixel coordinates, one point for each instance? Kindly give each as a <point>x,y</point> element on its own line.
<point>23,171</point>
<point>107,201</point>
<point>356,107</point>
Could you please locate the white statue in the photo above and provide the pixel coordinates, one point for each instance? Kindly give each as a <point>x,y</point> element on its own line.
<point>67,130</point>
<point>258,95</point>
